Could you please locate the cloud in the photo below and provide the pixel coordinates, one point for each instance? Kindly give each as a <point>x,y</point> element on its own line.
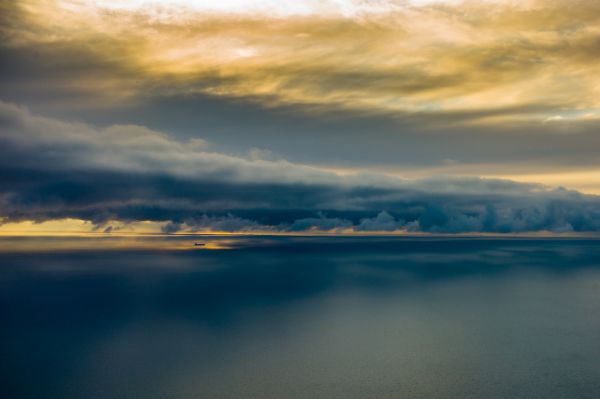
<point>387,56</point>
<point>503,88</point>
<point>382,222</point>
<point>110,176</point>
<point>227,223</point>
<point>321,223</point>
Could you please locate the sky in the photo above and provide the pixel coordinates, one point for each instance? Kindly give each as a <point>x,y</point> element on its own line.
<point>332,116</point>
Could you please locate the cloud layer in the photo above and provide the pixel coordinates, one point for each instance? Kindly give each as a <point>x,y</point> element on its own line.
<point>495,88</point>
<point>52,169</point>
<point>299,116</point>
<point>533,59</point>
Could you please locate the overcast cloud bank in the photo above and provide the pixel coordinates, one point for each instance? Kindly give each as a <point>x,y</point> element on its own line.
<point>53,169</point>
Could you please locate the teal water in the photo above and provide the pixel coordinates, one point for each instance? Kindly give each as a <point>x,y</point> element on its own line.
<point>272,317</point>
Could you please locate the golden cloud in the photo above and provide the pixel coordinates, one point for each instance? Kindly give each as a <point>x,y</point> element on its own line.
<point>536,59</point>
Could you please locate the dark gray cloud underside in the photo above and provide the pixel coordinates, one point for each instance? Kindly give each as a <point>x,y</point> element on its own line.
<point>100,197</point>
<point>52,169</point>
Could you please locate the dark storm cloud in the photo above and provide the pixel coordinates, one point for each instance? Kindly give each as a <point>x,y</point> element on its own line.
<point>51,169</point>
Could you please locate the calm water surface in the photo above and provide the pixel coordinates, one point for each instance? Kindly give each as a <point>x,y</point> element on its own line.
<point>300,318</point>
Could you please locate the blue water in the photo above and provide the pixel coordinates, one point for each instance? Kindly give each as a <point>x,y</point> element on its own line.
<point>299,317</point>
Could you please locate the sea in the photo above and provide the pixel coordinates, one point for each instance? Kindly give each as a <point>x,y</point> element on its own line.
<point>299,317</point>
